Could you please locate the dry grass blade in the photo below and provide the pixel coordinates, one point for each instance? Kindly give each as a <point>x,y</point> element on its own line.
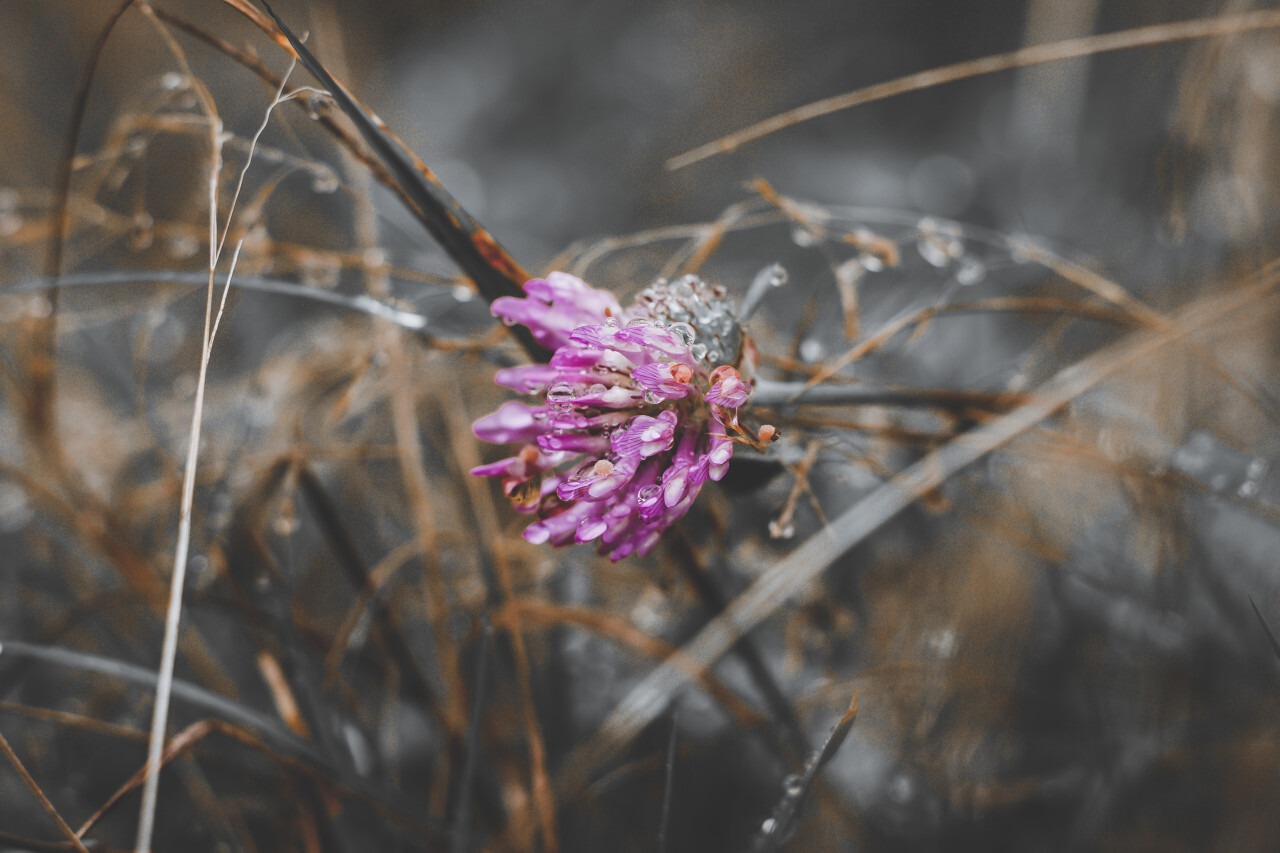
<point>669,781</point>
<point>45,333</point>
<point>531,614</point>
<point>772,393</point>
<point>178,744</point>
<point>1271,637</point>
<point>173,615</point>
<point>1034,55</point>
<point>34,788</point>
<point>197,696</point>
<point>776,585</point>
<point>35,845</point>
<point>470,246</point>
<point>542,799</point>
<point>782,825</point>
<point>360,302</point>
<point>461,829</point>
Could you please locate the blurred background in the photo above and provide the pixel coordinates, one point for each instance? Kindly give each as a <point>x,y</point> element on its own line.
<point>1053,650</point>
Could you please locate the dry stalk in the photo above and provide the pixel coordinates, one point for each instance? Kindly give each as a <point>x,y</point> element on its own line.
<point>173,616</point>
<point>784,579</point>
<point>1035,55</point>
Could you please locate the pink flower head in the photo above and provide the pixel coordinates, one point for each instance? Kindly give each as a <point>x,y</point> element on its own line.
<point>633,415</point>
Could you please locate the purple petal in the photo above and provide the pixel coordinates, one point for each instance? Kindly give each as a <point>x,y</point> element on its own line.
<point>616,397</point>
<point>720,451</point>
<point>576,420</point>
<point>730,392</point>
<point>645,436</point>
<point>556,306</point>
<point>549,328</point>
<point>665,341</point>
<point>578,356</point>
<point>590,486</point>
<point>575,442</point>
<point>559,529</point>
<point>527,378</point>
<point>512,422</point>
<point>589,529</point>
<point>566,291</point>
<point>656,377</point>
<point>605,336</point>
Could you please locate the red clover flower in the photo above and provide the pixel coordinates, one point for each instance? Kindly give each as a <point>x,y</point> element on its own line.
<point>641,408</point>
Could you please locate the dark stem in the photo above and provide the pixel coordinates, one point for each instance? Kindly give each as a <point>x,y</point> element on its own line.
<point>472,248</point>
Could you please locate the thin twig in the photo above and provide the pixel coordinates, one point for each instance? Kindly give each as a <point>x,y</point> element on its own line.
<point>475,251</point>
<point>361,302</point>
<point>461,829</point>
<point>1271,637</point>
<point>669,780</point>
<point>771,393</point>
<point>1027,56</point>
<point>173,616</point>
<point>776,586</point>
<point>42,364</point>
<point>39,795</point>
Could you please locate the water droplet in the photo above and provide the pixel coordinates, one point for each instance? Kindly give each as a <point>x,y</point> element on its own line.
<point>793,785</point>
<point>172,81</point>
<point>39,306</point>
<point>611,322</point>
<point>315,271</point>
<point>652,399</point>
<point>510,321</point>
<point>931,251</point>
<point>698,351</point>
<point>870,262</point>
<point>597,388</point>
<point>166,333</point>
<point>812,350</point>
<point>315,104</point>
<point>803,237</point>
<point>10,223</point>
<point>462,293</point>
<point>15,508</point>
<point>769,826</point>
<point>776,275</point>
<point>647,493</point>
<point>943,643</point>
<point>324,180</point>
<point>142,232</point>
<point>781,531</point>
<point>181,246</point>
<point>971,271</point>
<point>256,240</point>
<point>560,394</point>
